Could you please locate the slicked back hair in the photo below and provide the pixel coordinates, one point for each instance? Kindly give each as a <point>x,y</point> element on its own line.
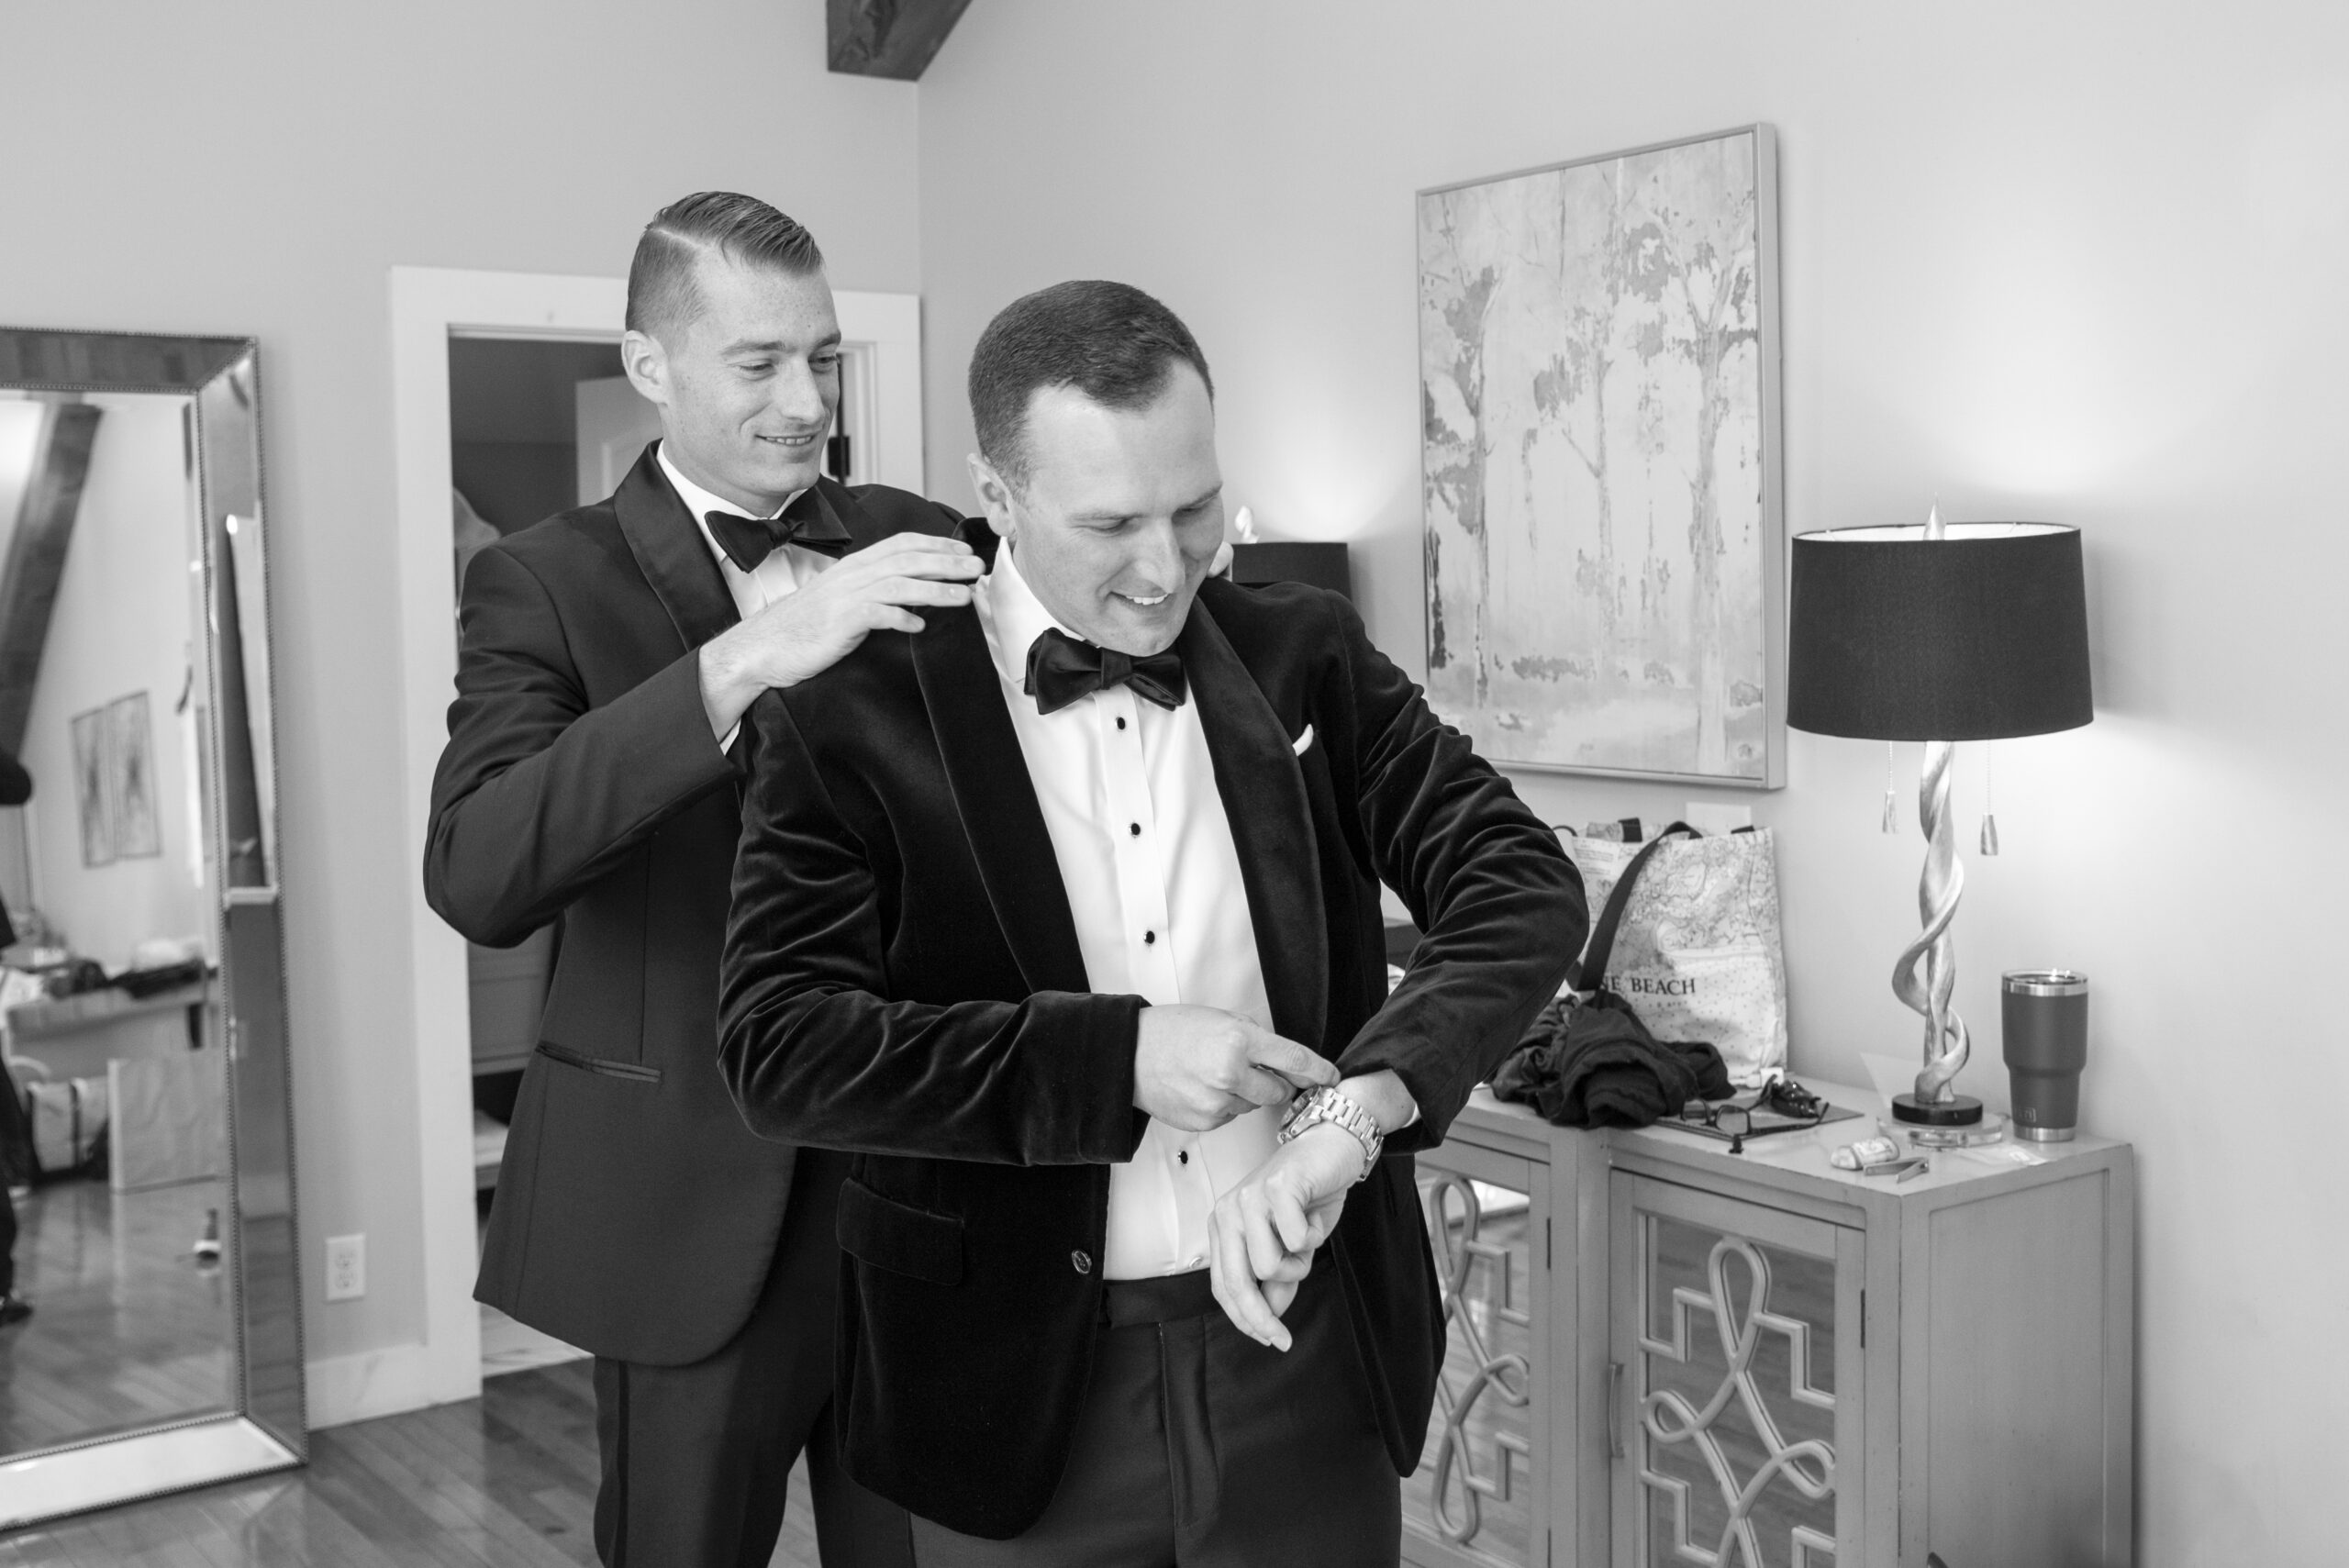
<point>662,296</point>
<point>1109,341</point>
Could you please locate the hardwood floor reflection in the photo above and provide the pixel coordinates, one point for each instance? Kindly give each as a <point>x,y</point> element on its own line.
<point>504,1481</point>
<point>127,1327</point>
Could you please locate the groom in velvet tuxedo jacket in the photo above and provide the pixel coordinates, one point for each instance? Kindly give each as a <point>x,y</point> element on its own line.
<point>1064,918</point>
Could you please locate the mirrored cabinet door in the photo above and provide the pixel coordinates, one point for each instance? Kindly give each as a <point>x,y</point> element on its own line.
<point>151,1337</point>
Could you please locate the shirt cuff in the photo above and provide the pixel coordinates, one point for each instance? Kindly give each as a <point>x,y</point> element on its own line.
<point>726,746</point>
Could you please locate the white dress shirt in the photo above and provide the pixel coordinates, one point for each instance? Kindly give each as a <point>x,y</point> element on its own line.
<point>1145,852</point>
<point>784,571</point>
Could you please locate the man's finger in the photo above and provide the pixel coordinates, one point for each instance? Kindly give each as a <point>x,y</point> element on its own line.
<point>1260,1088</point>
<point>1236,1289</point>
<point>1291,1224</point>
<point>1301,1065</point>
<point>898,544</point>
<point>920,591</point>
<point>1265,1253</point>
<point>910,562</point>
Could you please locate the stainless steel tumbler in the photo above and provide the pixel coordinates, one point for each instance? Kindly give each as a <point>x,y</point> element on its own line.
<point>2044,1022</point>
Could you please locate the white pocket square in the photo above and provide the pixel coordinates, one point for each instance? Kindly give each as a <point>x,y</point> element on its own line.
<point>1303,742</point>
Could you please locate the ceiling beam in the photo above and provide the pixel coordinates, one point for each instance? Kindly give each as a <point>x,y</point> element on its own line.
<point>897,39</point>
<point>36,557</point>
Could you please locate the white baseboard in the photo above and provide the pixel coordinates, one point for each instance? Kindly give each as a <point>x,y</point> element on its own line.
<point>368,1384</point>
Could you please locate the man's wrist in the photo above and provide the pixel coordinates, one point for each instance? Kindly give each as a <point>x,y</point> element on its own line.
<point>723,697</point>
<point>1383,1097</point>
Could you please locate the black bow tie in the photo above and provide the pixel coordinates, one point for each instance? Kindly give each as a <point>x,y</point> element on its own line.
<point>1060,669</point>
<point>807,522</point>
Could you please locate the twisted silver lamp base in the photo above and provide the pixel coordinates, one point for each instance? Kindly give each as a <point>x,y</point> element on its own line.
<point>1936,1101</point>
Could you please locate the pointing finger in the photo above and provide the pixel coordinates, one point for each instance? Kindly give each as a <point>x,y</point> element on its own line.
<point>1300,1065</point>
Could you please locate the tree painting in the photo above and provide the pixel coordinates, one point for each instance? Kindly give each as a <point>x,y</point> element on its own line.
<point>1601,524</point>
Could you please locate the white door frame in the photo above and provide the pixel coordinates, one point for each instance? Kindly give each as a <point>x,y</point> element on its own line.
<point>428,304</point>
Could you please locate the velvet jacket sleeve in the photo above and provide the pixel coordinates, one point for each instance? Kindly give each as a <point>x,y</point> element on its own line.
<point>1499,905</point>
<point>538,793</point>
<point>820,1044</point>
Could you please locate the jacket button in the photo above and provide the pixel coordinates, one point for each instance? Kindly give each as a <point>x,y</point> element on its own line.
<point>1081,1260</point>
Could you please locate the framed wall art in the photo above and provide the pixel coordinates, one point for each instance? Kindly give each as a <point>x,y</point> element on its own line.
<point>92,794</point>
<point>1600,478</point>
<point>138,832</point>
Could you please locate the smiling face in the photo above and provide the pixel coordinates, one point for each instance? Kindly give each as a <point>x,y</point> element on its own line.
<point>1121,511</point>
<point>747,388</point>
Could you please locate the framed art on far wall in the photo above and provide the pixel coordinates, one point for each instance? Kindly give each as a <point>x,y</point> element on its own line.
<point>1600,462</point>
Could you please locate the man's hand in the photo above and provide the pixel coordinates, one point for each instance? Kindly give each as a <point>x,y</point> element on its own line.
<point>1262,1233</point>
<point>808,632</point>
<point>1196,1068</point>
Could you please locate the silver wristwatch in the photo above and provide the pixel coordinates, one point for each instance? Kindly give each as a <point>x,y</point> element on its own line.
<point>1338,1109</point>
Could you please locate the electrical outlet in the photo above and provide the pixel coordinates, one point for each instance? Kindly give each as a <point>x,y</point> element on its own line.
<point>346,1267</point>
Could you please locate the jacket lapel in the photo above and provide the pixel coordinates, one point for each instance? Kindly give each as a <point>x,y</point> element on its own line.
<point>988,774</point>
<point>1272,826</point>
<point>671,552</point>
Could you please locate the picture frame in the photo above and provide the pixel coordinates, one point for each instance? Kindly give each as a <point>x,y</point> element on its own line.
<point>131,761</point>
<point>1601,479</point>
<point>93,786</point>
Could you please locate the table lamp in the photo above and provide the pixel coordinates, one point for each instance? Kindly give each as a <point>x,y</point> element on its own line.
<point>1938,632</point>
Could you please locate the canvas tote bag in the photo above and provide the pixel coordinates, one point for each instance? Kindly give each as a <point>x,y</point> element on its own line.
<point>1698,954</point>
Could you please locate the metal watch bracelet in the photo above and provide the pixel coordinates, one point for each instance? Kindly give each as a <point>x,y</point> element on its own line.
<point>1341,1110</point>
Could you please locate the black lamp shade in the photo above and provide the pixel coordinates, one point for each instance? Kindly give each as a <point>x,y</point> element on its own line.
<point>1316,565</point>
<point>1979,634</point>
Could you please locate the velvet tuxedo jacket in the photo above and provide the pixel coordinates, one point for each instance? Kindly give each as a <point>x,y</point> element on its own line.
<point>903,980</point>
<point>636,1215</point>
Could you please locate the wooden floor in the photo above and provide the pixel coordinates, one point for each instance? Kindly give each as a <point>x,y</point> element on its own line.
<point>504,1481</point>
<point>128,1329</point>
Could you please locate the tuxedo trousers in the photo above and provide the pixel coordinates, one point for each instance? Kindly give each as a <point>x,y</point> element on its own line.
<point>1199,1448</point>
<point>697,1459</point>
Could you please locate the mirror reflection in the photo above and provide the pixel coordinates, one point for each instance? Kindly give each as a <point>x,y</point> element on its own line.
<point>120,1297</point>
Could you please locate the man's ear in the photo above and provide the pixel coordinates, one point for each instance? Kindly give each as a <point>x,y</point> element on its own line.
<point>995,495</point>
<point>647,364</point>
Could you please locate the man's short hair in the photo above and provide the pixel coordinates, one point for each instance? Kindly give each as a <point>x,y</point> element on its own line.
<point>661,292</point>
<point>1109,341</point>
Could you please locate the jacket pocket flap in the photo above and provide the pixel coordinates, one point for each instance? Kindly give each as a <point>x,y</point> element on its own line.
<point>898,1237</point>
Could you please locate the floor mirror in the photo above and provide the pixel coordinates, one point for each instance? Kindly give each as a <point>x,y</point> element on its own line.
<point>142,1004</point>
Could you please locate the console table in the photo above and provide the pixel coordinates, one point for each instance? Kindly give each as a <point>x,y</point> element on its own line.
<point>1662,1352</point>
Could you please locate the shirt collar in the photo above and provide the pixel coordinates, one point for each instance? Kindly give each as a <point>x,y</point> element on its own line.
<point>1014,617</point>
<point>699,501</point>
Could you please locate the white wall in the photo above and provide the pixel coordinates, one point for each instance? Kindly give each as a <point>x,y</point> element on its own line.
<point>256,167</point>
<point>121,623</point>
<point>2075,262</point>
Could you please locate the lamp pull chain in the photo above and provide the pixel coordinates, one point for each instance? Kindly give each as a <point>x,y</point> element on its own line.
<point>1891,802</point>
<point>1989,815</point>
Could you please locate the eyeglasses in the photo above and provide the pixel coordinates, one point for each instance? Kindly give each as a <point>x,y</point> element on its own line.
<point>1730,1119</point>
<point>1790,1104</point>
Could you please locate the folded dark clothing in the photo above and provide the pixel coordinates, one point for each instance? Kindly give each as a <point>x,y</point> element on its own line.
<point>1594,1063</point>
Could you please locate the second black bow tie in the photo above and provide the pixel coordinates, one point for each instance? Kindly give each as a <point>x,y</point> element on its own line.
<point>807,522</point>
<point>1060,669</point>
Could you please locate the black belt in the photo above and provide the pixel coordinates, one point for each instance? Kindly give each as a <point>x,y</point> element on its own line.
<point>1128,1303</point>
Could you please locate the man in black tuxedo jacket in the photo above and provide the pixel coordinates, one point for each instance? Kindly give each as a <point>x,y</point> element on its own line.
<point>1047,914</point>
<point>608,655</point>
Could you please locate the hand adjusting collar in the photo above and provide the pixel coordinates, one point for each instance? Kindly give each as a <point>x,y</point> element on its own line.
<point>807,522</point>
<point>1060,669</point>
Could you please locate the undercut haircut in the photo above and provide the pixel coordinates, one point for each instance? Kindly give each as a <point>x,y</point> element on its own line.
<point>1109,341</point>
<point>662,296</point>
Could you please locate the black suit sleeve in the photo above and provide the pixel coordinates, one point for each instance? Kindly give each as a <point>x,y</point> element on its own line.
<point>1501,904</point>
<point>537,795</point>
<point>816,1052</point>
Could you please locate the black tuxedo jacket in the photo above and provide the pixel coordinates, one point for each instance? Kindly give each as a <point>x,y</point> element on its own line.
<point>903,980</point>
<point>636,1215</point>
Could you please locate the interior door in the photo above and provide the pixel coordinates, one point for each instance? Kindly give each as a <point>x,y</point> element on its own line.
<point>1736,1356</point>
<point>615,426</point>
